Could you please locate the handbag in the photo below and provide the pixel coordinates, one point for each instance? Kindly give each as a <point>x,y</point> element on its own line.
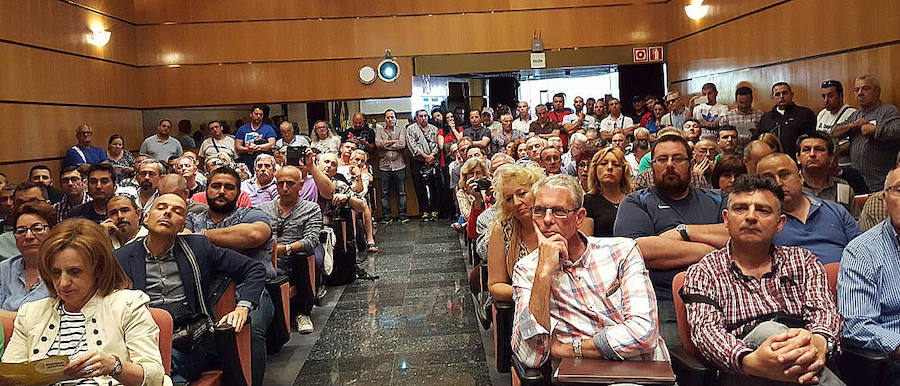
<point>428,172</point>
<point>190,335</point>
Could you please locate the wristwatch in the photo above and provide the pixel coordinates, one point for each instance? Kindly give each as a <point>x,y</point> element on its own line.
<point>117,369</point>
<point>682,230</point>
<point>287,249</point>
<point>576,346</point>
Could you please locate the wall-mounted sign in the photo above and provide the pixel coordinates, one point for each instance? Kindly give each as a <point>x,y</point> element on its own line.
<point>656,54</point>
<point>538,60</point>
<point>640,54</point>
<point>647,54</point>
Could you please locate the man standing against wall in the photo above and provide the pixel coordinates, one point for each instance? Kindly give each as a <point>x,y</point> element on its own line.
<point>786,120</point>
<point>421,137</point>
<point>254,137</point>
<point>390,142</point>
<point>162,146</point>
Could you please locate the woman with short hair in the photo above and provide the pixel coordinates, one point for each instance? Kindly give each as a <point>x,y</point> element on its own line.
<point>608,183</point>
<point>473,169</point>
<point>727,169</point>
<point>20,279</point>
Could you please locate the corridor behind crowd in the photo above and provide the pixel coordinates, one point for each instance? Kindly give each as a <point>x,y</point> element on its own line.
<point>413,325</point>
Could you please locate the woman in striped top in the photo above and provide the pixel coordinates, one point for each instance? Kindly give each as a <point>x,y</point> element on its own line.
<point>90,314</point>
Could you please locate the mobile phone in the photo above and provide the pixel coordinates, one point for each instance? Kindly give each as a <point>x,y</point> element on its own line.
<point>296,155</point>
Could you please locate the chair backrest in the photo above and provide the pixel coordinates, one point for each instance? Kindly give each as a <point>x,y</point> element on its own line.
<point>226,304</point>
<point>8,325</point>
<point>164,320</point>
<point>684,330</point>
<point>831,271</point>
<point>860,200</point>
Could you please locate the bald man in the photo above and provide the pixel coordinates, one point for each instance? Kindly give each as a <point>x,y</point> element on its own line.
<point>176,184</point>
<point>360,133</point>
<point>755,151</point>
<point>824,227</point>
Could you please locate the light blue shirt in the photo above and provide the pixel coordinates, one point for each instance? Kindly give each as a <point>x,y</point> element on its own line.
<point>868,294</point>
<point>13,292</point>
<point>827,230</point>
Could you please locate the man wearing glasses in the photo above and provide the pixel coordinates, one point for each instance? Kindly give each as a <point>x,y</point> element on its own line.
<point>297,224</point>
<point>677,113</point>
<point>579,296</point>
<point>671,224</point>
<point>84,152</point>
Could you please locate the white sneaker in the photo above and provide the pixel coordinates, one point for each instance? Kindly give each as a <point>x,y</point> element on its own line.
<point>304,324</point>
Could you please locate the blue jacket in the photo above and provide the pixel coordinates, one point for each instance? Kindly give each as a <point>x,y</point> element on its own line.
<point>249,275</point>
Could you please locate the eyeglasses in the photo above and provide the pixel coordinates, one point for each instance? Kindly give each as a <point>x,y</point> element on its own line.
<point>36,229</point>
<point>67,180</point>
<point>538,211</point>
<point>666,160</point>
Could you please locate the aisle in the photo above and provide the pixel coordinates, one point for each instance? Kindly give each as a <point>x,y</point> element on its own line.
<point>414,325</point>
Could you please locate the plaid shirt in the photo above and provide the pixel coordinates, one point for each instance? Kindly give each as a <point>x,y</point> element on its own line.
<point>605,295</point>
<point>873,212</point>
<point>63,207</point>
<point>745,123</point>
<point>723,304</point>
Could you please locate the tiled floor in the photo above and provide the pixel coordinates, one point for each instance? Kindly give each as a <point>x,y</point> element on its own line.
<point>414,325</point>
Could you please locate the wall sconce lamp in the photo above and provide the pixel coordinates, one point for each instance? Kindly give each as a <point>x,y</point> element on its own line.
<point>98,36</point>
<point>696,10</point>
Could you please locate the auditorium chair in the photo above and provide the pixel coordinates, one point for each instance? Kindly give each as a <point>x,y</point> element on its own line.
<point>164,320</point>
<point>503,323</point>
<point>857,366</point>
<point>279,289</point>
<point>344,268</point>
<point>233,349</point>
<point>689,366</point>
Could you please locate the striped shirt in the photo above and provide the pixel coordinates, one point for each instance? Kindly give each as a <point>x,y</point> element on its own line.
<point>71,341</point>
<point>723,304</point>
<point>605,295</point>
<point>868,295</point>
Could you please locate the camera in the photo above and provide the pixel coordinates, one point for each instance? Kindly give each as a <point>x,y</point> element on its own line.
<point>483,184</point>
<point>296,155</point>
<point>260,141</point>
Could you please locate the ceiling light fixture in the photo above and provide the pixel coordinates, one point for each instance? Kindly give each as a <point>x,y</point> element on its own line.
<point>696,10</point>
<point>98,36</point>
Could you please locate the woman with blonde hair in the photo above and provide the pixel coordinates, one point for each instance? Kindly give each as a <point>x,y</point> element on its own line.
<point>512,233</point>
<point>608,183</point>
<point>474,169</point>
<point>92,316</point>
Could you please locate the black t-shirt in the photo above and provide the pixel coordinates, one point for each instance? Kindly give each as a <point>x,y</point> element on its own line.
<point>86,210</point>
<point>603,212</point>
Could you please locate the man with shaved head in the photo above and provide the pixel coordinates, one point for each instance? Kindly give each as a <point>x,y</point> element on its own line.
<point>824,227</point>
<point>297,226</point>
<point>360,133</point>
<point>177,185</point>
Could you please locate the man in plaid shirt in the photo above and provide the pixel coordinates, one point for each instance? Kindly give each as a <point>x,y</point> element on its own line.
<point>579,296</point>
<point>762,313</point>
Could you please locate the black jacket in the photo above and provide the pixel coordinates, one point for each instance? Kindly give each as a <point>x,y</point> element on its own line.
<point>796,121</point>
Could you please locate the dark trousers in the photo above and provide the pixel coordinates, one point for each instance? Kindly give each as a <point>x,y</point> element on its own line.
<point>297,270</point>
<point>190,365</point>
<point>426,190</point>
<point>445,200</point>
<point>260,319</point>
<point>393,183</point>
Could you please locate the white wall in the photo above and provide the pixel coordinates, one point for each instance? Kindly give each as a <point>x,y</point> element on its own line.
<point>541,91</point>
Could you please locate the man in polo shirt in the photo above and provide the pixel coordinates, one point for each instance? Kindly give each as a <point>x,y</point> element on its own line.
<point>816,157</point>
<point>671,224</point>
<point>254,137</point>
<point>247,231</point>
<point>261,188</point>
<point>822,226</point>
<point>677,113</point>
<point>101,187</point>
<point>874,132</point>
<point>480,135</point>
<point>786,120</point>
<point>709,112</point>
<point>84,152</point>
<point>543,126</point>
<point>760,312</point>
<point>162,146</point>
<point>743,117</point>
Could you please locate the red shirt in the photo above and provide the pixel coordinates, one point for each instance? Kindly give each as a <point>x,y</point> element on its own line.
<point>558,118</point>
<point>242,202</point>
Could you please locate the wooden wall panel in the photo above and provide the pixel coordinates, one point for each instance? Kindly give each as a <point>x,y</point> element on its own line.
<point>406,36</point>
<point>36,75</point>
<point>806,76</point>
<point>64,27</point>
<point>679,25</point>
<point>121,9</point>
<point>201,85</point>
<point>159,11</point>
<point>796,29</point>
<point>45,131</point>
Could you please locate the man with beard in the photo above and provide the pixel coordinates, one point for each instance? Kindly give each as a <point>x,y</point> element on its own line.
<point>149,172</point>
<point>261,188</point>
<point>360,133</point>
<point>101,187</point>
<point>247,231</point>
<point>658,218</point>
<point>124,222</point>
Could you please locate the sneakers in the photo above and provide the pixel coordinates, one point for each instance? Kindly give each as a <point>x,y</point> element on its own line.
<point>434,216</point>
<point>304,324</point>
<point>404,220</point>
<point>425,217</point>
<point>321,293</point>
<point>387,221</point>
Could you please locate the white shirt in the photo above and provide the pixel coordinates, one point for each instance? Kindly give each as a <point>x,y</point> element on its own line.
<point>710,113</point>
<point>610,124</point>
<point>826,120</point>
<point>589,122</point>
<point>634,164</point>
<point>522,125</point>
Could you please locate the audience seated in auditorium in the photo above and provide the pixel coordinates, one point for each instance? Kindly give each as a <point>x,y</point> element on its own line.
<point>211,165</point>
<point>822,226</point>
<point>120,158</point>
<point>648,179</point>
<point>101,187</point>
<point>176,184</point>
<point>577,142</point>
<point>608,184</point>
<point>161,264</point>
<point>390,141</point>
<point>421,140</point>
<point>297,224</point>
<point>323,138</point>
<point>24,192</point>
<point>705,152</point>
<point>786,120</point>
<point>543,126</point>
<point>84,152</point>
<point>261,187</point>
<point>677,112</point>
<point>691,130</point>
<point>124,223</point>
<point>149,172</point>
<point>247,231</point>
<point>743,117</point>
<point>550,158</point>
<point>816,156</point>
<point>218,142</point>
<point>90,296</point>
<point>616,326</point>
<point>582,171</point>
<point>472,171</point>
<point>709,111</point>
<point>616,120</point>
<point>669,223</point>
<point>727,169</point>
<point>20,279</point>
<point>728,140</point>
<point>254,137</point>
<point>501,138</point>
<point>874,132</point>
<point>72,184</point>
<point>732,294</point>
<point>162,146</point>
<point>483,211</point>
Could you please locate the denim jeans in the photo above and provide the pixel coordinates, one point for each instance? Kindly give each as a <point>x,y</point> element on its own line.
<point>260,319</point>
<point>426,191</point>
<point>668,323</point>
<point>393,183</point>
